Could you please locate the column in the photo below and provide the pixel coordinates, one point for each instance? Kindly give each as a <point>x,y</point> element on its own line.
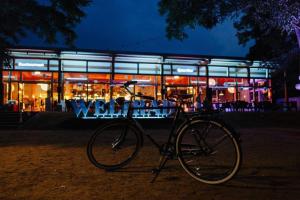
<point>112,77</point>
<point>1,83</point>
<point>60,83</point>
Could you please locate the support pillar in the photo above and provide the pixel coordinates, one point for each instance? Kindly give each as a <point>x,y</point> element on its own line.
<point>60,83</point>
<point>1,83</point>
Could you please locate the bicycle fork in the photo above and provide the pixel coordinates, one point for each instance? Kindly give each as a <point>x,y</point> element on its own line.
<point>162,162</point>
<point>166,154</point>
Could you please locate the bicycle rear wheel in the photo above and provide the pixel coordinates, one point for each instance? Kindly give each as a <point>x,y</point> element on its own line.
<point>114,146</point>
<point>208,151</point>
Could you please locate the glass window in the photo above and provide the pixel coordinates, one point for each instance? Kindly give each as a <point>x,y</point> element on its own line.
<point>53,65</point>
<point>217,71</point>
<point>12,75</point>
<point>201,81</point>
<point>98,91</point>
<point>31,64</point>
<point>122,78</point>
<point>184,70</point>
<point>36,76</point>
<point>258,72</point>
<point>167,69</point>
<point>73,66</point>
<point>8,65</point>
<point>55,76</point>
<point>75,77</point>
<point>145,80</point>
<point>176,80</point>
<point>102,67</point>
<point>75,90</point>
<point>202,70</point>
<point>99,78</point>
<point>238,72</point>
<point>261,83</point>
<point>148,90</point>
<point>149,68</point>
<point>126,68</point>
<point>228,82</point>
<point>75,86</point>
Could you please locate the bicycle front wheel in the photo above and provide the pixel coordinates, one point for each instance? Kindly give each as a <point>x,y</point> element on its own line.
<point>114,146</point>
<point>208,151</point>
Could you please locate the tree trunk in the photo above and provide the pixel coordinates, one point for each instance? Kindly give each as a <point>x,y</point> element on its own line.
<point>286,97</point>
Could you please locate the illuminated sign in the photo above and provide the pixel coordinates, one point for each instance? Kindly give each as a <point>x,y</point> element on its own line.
<point>30,64</point>
<point>232,83</point>
<point>111,109</point>
<point>185,70</point>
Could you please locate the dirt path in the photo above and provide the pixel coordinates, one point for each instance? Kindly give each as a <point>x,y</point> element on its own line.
<point>53,165</point>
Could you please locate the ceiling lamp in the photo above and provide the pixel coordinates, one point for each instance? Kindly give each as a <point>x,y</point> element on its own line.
<point>44,87</point>
<point>211,82</point>
<point>37,73</point>
<point>221,94</point>
<point>231,90</point>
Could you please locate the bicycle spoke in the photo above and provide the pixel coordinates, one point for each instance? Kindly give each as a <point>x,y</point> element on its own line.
<point>208,152</point>
<point>113,146</point>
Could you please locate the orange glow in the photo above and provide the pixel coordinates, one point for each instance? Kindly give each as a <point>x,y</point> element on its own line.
<point>33,76</point>
<point>99,78</point>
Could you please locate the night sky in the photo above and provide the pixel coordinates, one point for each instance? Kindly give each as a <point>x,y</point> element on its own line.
<point>135,25</point>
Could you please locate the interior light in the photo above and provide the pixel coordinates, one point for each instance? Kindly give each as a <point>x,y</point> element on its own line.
<point>141,80</point>
<point>77,79</point>
<point>9,76</point>
<point>36,73</point>
<point>231,90</point>
<point>201,82</point>
<point>20,64</point>
<point>212,82</point>
<point>185,70</point>
<point>43,86</point>
<point>221,94</point>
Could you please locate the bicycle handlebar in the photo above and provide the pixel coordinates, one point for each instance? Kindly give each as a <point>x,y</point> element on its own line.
<point>126,85</point>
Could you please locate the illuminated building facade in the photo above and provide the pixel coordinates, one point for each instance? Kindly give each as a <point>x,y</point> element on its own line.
<point>39,79</point>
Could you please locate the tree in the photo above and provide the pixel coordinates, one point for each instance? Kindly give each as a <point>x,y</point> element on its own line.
<point>45,18</point>
<point>270,23</point>
<point>253,19</point>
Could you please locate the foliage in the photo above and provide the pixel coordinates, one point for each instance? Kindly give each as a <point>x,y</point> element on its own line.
<point>268,22</point>
<point>46,18</point>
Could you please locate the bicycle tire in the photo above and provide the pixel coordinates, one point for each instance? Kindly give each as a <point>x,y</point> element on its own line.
<point>109,140</point>
<point>203,170</point>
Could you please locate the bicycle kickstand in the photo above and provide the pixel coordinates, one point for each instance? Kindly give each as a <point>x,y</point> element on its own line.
<point>162,161</point>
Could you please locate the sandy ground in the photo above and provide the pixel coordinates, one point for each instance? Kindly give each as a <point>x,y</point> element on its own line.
<point>54,165</point>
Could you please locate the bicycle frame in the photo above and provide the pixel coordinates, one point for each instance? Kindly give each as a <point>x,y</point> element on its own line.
<point>172,148</point>
<point>178,110</point>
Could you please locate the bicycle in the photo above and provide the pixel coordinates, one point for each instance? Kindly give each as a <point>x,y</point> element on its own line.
<point>206,148</point>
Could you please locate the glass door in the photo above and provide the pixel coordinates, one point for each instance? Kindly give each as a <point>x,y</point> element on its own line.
<point>35,96</point>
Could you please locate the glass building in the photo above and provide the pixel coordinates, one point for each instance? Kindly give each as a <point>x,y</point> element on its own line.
<point>39,79</point>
